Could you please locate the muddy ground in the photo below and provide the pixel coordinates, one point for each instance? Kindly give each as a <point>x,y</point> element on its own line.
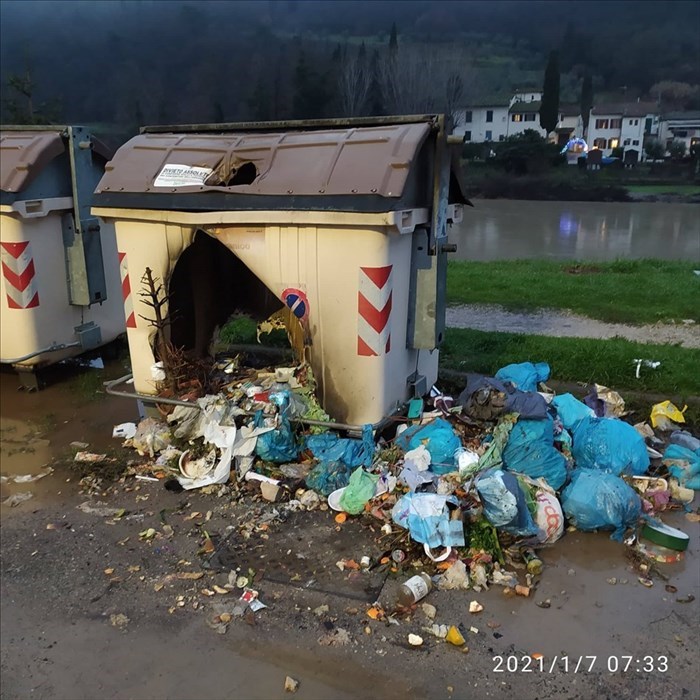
<point>68,577</point>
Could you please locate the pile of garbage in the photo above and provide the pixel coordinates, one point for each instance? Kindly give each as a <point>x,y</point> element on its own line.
<point>480,485</point>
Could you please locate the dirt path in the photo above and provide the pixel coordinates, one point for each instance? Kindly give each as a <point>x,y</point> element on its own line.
<point>558,323</point>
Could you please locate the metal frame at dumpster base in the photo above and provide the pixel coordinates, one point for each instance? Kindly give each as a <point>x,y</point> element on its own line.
<point>151,399</point>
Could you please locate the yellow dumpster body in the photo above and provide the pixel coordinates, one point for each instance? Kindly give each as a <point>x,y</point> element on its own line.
<point>349,276</point>
<point>60,290</point>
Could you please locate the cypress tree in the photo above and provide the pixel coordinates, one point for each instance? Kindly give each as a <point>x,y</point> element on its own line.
<point>393,40</point>
<point>586,100</point>
<point>549,109</point>
<point>375,98</point>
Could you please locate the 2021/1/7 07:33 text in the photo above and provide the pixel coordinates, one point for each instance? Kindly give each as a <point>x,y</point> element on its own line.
<point>580,664</point>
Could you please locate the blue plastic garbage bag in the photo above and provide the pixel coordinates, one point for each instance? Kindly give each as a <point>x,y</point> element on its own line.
<point>328,447</point>
<point>685,439</point>
<point>328,476</point>
<point>505,506</point>
<point>611,445</point>
<point>596,500</point>
<point>439,439</point>
<point>278,445</point>
<point>525,375</point>
<point>427,517</point>
<point>530,450</point>
<point>684,464</point>
<point>571,411</point>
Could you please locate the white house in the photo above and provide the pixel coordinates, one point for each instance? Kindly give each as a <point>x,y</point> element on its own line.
<point>524,115</point>
<point>570,123</point>
<point>680,126</point>
<point>622,125</point>
<point>526,94</point>
<point>496,118</point>
<point>483,121</point>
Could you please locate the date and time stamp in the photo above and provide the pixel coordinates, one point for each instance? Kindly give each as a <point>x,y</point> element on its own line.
<point>538,663</point>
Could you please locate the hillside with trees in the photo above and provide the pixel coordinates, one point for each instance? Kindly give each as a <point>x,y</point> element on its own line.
<point>132,62</point>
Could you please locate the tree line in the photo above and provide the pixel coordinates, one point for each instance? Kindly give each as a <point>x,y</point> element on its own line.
<point>131,63</point>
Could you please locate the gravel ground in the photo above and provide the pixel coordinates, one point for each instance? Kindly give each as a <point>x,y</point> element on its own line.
<point>557,323</point>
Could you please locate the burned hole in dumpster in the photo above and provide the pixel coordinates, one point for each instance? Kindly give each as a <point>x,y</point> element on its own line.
<point>245,174</point>
<point>230,175</point>
<point>224,329</point>
<point>210,289</point>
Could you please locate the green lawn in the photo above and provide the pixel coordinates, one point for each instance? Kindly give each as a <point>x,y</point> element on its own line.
<point>625,291</point>
<point>609,362</point>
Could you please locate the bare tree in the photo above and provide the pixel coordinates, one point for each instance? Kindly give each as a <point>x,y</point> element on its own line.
<point>454,97</point>
<point>421,79</point>
<point>354,84</point>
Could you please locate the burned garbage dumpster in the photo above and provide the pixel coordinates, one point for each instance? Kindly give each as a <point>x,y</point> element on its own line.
<point>342,225</point>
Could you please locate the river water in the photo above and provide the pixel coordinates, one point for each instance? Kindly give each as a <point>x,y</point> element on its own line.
<point>513,229</point>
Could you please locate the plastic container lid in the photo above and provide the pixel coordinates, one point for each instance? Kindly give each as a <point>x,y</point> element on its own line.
<point>666,536</point>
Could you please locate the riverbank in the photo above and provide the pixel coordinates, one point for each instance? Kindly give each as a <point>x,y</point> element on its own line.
<point>569,183</point>
<point>668,193</point>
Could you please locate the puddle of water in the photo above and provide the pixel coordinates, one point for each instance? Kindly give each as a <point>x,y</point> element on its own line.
<point>22,451</point>
<point>37,427</point>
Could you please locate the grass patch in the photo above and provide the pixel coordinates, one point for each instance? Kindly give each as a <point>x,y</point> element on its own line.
<point>625,291</point>
<point>88,385</point>
<point>609,362</point>
<point>665,189</point>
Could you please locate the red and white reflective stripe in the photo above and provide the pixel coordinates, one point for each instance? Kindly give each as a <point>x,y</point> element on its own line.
<point>374,311</point>
<point>126,292</point>
<point>20,275</point>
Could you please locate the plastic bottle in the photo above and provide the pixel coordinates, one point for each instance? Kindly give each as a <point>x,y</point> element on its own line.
<point>533,562</point>
<point>414,589</point>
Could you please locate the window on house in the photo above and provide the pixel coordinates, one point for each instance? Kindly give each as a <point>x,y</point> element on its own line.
<point>467,135</point>
<point>627,142</point>
<point>631,122</point>
<point>516,117</point>
<point>636,122</point>
<point>489,115</point>
<point>468,116</point>
<point>601,123</point>
<point>635,142</point>
<point>489,136</point>
<point>615,123</point>
<point>647,125</point>
<point>501,137</point>
<point>529,117</point>
<point>613,143</point>
<point>599,143</point>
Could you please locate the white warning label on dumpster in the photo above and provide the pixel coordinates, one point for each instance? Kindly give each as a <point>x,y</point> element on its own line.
<point>176,175</point>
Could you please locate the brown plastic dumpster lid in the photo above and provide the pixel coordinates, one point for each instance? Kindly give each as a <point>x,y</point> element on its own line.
<point>24,154</point>
<point>360,161</point>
